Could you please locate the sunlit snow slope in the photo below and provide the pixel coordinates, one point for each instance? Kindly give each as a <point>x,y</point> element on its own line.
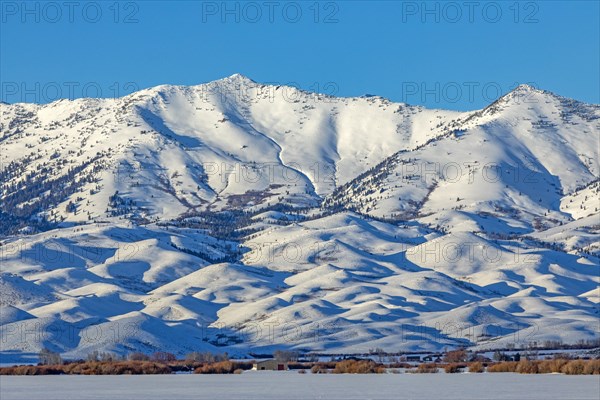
<point>241,217</point>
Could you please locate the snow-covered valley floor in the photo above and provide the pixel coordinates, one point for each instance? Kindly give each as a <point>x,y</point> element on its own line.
<point>291,385</point>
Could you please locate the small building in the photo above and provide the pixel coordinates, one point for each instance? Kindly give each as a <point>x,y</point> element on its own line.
<point>413,358</point>
<point>270,365</point>
<point>433,357</point>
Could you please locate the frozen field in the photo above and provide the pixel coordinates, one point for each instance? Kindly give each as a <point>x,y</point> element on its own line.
<point>273,385</point>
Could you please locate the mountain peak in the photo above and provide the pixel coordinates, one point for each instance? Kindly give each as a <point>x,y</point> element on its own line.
<point>524,87</point>
<point>519,93</point>
<point>237,78</point>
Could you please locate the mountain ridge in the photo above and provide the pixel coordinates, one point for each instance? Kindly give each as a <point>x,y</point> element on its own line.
<point>197,213</point>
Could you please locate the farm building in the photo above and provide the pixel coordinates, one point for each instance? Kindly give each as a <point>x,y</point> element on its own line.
<point>270,365</point>
<point>433,357</point>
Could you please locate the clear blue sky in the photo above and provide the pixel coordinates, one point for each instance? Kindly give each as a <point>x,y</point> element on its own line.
<point>438,54</point>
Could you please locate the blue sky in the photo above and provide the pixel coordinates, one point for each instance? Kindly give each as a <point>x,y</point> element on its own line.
<point>456,55</point>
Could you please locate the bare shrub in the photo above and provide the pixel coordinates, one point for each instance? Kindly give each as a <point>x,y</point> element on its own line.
<point>163,357</point>
<point>139,357</point>
<point>285,356</point>
<point>358,367</point>
<point>456,356</point>
<point>91,368</point>
<point>592,367</point>
<point>552,366</point>
<point>428,368</point>
<point>319,369</point>
<point>557,365</point>
<point>222,367</point>
<point>48,357</point>
<point>508,366</point>
<point>206,357</point>
<point>476,367</point>
<point>400,365</point>
<point>527,367</point>
<point>425,369</point>
<point>30,370</point>
<point>575,367</point>
<point>453,368</point>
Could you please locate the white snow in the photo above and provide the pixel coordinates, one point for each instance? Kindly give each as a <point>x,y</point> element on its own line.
<point>488,232</point>
<point>291,385</point>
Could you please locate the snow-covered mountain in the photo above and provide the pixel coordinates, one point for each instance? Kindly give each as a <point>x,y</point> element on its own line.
<point>245,217</point>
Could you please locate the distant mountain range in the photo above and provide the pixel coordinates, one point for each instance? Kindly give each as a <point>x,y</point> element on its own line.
<point>241,217</point>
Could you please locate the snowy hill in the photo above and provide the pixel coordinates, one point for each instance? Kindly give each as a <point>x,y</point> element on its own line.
<point>236,216</point>
<point>229,143</point>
